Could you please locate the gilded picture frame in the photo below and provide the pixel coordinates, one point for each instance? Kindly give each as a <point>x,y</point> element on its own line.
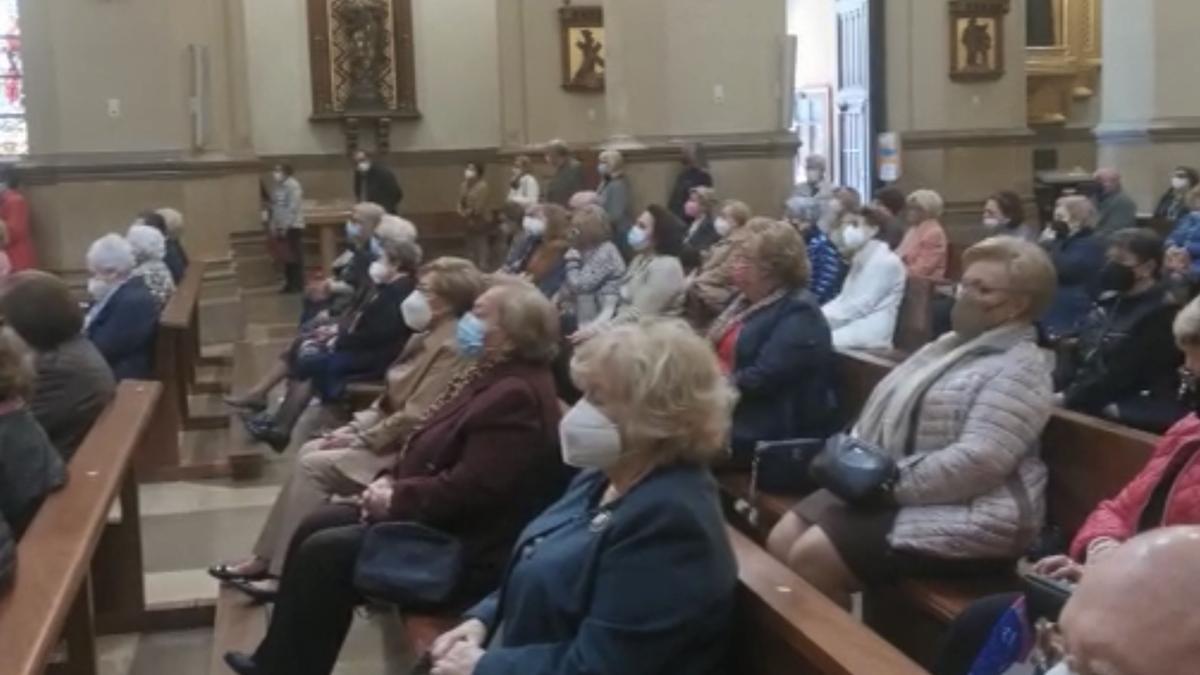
<point>583,48</point>
<point>977,39</point>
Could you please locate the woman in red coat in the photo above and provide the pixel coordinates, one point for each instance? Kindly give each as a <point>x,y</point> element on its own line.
<point>14,211</point>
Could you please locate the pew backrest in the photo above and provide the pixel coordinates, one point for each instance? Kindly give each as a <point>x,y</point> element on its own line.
<point>55,553</point>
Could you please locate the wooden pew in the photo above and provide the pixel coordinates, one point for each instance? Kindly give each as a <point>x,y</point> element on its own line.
<point>54,595</point>
<point>1088,460</point>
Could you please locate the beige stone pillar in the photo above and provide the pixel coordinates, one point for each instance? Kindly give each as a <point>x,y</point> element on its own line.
<point>1150,116</point>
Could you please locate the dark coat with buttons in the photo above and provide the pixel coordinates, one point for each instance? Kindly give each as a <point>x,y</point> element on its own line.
<point>483,465</point>
<point>641,586</point>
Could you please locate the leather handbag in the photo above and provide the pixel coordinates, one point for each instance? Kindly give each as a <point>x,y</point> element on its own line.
<point>409,564</point>
<point>781,467</point>
<point>855,471</point>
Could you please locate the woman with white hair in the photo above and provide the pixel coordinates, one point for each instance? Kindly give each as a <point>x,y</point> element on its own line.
<point>1079,255</point>
<point>172,227</point>
<point>149,248</point>
<point>631,570</point>
<point>123,319</point>
<point>924,248</point>
<point>616,197</point>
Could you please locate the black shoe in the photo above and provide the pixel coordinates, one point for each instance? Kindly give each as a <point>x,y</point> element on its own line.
<point>264,430</point>
<point>240,663</point>
<point>251,405</point>
<point>259,594</point>
<point>223,572</point>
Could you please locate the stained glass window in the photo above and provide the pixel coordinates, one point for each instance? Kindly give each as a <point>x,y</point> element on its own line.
<point>14,134</point>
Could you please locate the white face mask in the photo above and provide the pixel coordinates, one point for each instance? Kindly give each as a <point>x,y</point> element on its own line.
<point>469,174</point>
<point>993,223</point>
<point>363,166</point>
<point>723,227</point>
<point>534,226</point>
<point>589,439</point>
<point>381,272</point>
<point>854,238</point>
<point>814,175</point>
<point>99,288</point>
<point>278,176</point>
<point>416,311</point>
<point>1179,182</point>
<point>1061,669</point>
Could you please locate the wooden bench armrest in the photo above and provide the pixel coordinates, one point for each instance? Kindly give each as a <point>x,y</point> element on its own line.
<point>178,312</point>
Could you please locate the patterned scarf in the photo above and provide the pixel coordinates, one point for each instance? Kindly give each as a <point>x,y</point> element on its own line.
<point>738,311</point>
<point>466,376</point>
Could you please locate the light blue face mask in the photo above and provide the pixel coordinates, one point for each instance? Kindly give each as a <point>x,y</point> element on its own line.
<point>353,230</point>
<point>376,248</point>
<point>638,238</point>
<point>470,335</point>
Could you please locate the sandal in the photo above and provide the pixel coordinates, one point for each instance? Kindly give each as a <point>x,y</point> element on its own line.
<point>224,572</point>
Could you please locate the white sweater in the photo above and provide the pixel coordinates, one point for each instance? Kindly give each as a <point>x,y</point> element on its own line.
<point>863,315</point>
<point>527,191</point>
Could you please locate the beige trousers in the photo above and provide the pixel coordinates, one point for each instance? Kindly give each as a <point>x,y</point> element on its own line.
<point>316,476</point>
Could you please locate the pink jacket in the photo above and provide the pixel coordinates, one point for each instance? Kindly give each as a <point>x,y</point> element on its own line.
<point>1118,518</point>
<point>924,250</point>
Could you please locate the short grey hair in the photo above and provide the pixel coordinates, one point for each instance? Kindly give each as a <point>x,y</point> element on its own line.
<point>614,159</point>
<point>558,148</point>
<point>395,229</point>
<point>111,254</point>
<point>928,201</point>
<point>147,242</point>
<point>1187,325</point>
<point>803,209</point>
<point>817,162</point>
<point>173,219</point>
<point>1079,209</point>
<point>527,318</point>
<point>368,213</point>
<point>582,199</point>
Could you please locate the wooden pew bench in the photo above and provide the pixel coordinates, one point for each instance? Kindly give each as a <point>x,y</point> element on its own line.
<point>1088,459</point>
<point>78,576</point>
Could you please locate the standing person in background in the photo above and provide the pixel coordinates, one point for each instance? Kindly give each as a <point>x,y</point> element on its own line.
<point>1115,209</point>
<point>890,201</point>
<point>523,189</point>
<point>286,225</point>
<point>375,183</point>
<point>14,211</point>
<point>693,175</point>
<point>172,228</point>
<point>568,173</point>
<point>815,184</point>
<point>1174,203</point>
<point>472,207</point>
<point>615,197</point>
<point>924,248</point>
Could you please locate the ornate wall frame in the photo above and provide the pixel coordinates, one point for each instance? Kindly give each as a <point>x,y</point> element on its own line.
<point>362,65</point>
<point>977,39</point>
<point>1068,71</point>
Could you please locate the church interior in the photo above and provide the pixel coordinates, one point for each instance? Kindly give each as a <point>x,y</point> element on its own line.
<point>259,135</point>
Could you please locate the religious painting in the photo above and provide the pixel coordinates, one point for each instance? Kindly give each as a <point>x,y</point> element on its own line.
<point>361,58</point>
<point>583,48</point>
<point>977,39</point>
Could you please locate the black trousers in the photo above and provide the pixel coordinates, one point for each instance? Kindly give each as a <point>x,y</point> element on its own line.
<point>293,271</point>
<point>317,598</point>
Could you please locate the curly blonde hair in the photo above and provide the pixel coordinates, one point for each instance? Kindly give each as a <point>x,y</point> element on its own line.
<point>778,248</point>
<point>1029,268</point>
<point>662,386</point>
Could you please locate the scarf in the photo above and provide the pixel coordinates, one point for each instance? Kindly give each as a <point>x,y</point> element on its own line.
<point>888,419</point>
<point>459,382</point>
<point>738,311</point>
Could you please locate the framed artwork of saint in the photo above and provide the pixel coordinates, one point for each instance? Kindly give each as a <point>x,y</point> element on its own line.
<point>583,48</point>
<point>977,39</point>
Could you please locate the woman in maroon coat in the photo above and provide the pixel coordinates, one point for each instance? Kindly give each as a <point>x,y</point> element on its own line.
<point>484,462</point>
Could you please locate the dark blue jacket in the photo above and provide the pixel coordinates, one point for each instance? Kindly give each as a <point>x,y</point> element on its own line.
<point>176,259</point>
<point>784,370</point>
<point>1186,235</point>
<point>372,337</point>
<point>125,329</point>
<point>642,586</point>
<point>1078,259</point>
<point>828,266</point>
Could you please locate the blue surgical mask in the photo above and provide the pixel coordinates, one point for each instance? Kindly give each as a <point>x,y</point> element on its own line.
<point>376,248</point>
<point>638,238</point>
<point>353,230</point>
<point>471,331</point>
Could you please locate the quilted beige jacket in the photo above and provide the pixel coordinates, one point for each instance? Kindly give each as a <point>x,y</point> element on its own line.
<point>974,487</point>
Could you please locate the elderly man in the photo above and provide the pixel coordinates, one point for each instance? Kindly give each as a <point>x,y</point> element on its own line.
<point>1135,612</point>
<point>123,319</point>
<point>816,184</point>
<point>1115,209</point>
<point>374,182</point>
<point>568,174</point>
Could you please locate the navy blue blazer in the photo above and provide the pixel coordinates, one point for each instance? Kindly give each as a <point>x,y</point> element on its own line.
<point>642,586</point>
<point>125,329</point>
<point>371,339</point>
<point>1078,259</point>
<point>784,371</point>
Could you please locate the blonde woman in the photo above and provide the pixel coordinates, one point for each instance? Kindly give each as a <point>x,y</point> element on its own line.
<point>924,248</point>
<point>594,269</point>
<point>640,528</point>
<point>710,287</point>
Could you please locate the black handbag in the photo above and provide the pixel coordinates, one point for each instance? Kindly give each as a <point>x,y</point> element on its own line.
<point>855,471</point>
<point>408,564</point>
<point>1045,597</point>
<point>781,467</point>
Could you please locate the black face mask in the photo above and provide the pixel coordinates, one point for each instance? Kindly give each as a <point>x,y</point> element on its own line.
<point>1061,228</point>
<point>1189,392</point>
<point>1117,277</point>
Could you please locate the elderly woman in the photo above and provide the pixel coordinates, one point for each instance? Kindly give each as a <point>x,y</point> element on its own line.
<point>924,248</point>
<point>122,321</point>
<point>350,277</point>
<point>359,346</point>
<point>659,580</point>
<point>1174,203</point>
<point>548,225</point>
<point>286,225</point>
<point>30,468</point>
<point>523,187</point>
<point>595,269</point>
<point>703,211</point>
<point>710,287</point>
<point>481,461</point>
<point>891,201</point>
<point>149,248</point>
<point>73,382</point>
<point>1164,493</point>
<point>176,258</point>
<point>1183,243</point>
<point>1078,254</point>
<point>694,174</point>
<point>864,313</point>
<point>616,197</point>
<point>774,344</point>
<point>344,461</point>
<point>825,262</point>
<point>962,418</point>
<point>1004,214</point>
<point>1124,364</point>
